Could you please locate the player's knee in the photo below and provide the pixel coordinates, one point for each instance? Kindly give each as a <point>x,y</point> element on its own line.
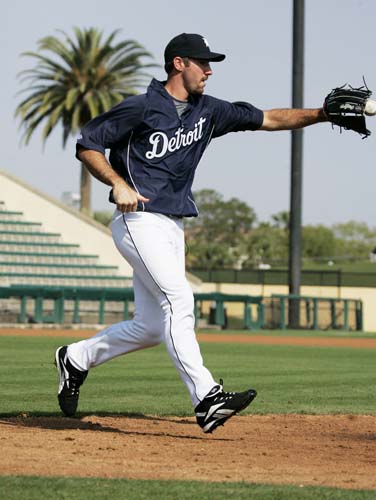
<point>184,299</point>
<point>151,333</point>
<point>179,302</point>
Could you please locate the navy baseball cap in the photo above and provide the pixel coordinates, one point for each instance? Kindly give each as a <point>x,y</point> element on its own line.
<point>190,45</point>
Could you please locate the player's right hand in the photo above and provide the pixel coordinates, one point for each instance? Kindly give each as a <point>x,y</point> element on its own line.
<point>126,198</point>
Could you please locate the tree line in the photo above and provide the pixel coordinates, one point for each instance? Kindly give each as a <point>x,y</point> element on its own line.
<point>227,234</point>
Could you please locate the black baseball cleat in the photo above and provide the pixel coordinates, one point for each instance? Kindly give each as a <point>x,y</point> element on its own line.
<point>218,406</point>
<point>70,380</point>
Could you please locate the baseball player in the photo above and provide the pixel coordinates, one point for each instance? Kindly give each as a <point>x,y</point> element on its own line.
<point>156,141</point>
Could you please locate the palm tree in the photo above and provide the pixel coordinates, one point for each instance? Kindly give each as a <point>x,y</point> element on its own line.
<point>76,79</point>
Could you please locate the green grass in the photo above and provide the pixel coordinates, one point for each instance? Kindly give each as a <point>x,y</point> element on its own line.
<point>34,488</point>
<point>296,333</point>
<point>289,380</point>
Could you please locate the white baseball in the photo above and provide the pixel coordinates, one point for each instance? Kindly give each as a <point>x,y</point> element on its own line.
<point>370,108</point>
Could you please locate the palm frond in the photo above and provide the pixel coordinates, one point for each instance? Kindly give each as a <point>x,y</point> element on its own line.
<point>53,117</point>
<point>92,103</point>
<point>43,62</point>
<point>71,98</point>
<point>76,122</point>
<point>77,77</point>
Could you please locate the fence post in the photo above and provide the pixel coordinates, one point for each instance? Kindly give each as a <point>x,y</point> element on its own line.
<point>247,316</point>
<point>249,323</point>
<point>126,310</point>
<point>261,314</point>
<point>308,311</point>
<point>220,313</point>
<point>23,309</point>
<point>346,315</point>
<point>76,310</point>
<point>283,313</point>
<point>102,302</point>
<point>315,314</point>
<point>59,309</point>
<point>38,309</point>
<point>359,315</point>
<point>195,311</point>
<point>333,314</point>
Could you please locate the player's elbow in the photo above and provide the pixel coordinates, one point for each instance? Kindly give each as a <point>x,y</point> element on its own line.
<point>268,123</point>
<point>80,152</point>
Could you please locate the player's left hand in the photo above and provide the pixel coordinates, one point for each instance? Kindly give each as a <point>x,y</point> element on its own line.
<point>347,106</point>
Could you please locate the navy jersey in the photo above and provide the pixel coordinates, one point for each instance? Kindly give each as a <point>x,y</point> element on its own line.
<point>156,151</point>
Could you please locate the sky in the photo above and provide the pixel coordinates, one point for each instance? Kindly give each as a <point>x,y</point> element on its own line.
<point>339,172</point>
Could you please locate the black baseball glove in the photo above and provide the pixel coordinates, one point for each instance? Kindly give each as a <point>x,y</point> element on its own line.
<point>345,107</point>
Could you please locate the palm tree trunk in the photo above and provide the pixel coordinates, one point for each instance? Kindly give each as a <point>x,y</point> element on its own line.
<point>85,190</point>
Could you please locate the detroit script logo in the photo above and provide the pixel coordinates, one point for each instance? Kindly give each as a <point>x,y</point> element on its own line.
<point>161,143</point>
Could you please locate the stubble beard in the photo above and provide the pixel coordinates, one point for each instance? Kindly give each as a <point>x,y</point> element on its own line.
<point>194,89</point>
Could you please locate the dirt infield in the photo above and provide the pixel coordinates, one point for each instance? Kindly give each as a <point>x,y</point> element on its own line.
<point>287,449</point>
<point>329,450</point>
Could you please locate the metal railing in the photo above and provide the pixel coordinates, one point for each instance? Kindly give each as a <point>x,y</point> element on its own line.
<point>314,313</point>
<point>54,305</point>
<point>61,305</point>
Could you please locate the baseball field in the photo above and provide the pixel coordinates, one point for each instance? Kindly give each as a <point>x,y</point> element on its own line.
<point>309,434</point>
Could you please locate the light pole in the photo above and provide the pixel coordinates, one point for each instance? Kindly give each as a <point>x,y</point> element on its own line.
<point>296,164</point>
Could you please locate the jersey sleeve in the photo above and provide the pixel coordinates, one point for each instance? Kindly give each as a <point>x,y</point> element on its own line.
<point>234,116</point>
<point>106,130</point>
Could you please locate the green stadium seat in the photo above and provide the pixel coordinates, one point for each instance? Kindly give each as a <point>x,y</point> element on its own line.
<point>31,256</point>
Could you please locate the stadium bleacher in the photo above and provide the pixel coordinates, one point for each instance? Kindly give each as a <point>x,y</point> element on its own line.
<point>31,256</point>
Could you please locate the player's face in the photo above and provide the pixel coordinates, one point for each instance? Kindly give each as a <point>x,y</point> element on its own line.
<point>195,74</point>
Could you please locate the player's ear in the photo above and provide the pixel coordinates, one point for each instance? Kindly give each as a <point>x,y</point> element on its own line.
<point>179,63</point>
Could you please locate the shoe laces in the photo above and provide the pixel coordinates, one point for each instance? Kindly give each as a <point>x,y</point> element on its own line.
<point>223,395</point>
<point>74,383</point>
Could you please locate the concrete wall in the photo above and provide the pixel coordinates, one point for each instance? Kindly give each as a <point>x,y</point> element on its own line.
<point>367,295</point>
<point>74,227</point>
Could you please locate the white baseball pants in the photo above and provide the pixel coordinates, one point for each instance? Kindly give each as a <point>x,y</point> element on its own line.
<point>153,244</point>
